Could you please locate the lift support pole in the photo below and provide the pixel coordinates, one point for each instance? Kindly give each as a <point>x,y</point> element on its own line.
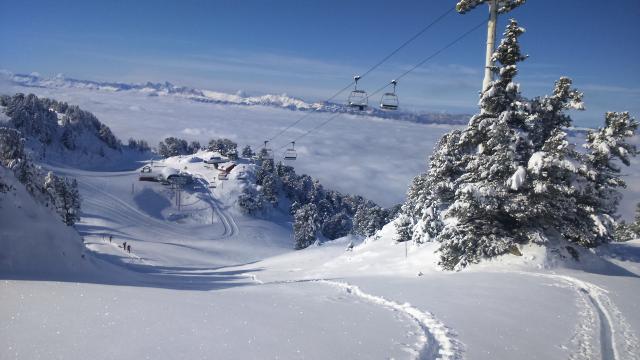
<point>491,43</point>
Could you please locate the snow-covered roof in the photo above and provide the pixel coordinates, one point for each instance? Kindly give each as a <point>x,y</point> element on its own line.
<point>168,171</point>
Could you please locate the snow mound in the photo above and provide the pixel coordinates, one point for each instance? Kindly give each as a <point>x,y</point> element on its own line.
<point>382,255</point>
<point>33,240</point>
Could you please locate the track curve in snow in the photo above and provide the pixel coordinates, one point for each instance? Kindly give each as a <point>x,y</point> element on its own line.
<point>616,339</point>
<point>438,341</point>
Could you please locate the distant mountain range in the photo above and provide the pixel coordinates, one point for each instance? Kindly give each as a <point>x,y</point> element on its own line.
<point>209,96</point>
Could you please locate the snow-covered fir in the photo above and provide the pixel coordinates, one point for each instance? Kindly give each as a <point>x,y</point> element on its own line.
<point>512,178</point>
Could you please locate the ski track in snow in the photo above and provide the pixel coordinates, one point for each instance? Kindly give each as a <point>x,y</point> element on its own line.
<point>617,339</point>
<point>160,227</point>
<point>230,226</point>
<point>438,340</point>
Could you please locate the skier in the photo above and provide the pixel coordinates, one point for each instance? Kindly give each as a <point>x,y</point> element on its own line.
<point>129,249</point>
<point>110,238</point>
<point>124,245</point>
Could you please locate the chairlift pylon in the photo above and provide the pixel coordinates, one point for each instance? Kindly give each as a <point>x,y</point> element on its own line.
<point>291,154</point>
<point>358,99</point>
<point>389,100</point>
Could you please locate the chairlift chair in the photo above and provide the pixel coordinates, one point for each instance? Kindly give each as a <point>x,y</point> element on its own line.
<point>268,153</point>
<point>358,99</point>
<point>389,100</point>
<point>291,154</point>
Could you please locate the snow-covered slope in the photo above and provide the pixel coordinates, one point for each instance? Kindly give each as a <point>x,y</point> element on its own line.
<point>33,240</point>
<point>213,281</point>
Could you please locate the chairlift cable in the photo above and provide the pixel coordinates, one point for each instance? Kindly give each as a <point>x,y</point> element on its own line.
<point>371,69</point>
<point>430,57</point>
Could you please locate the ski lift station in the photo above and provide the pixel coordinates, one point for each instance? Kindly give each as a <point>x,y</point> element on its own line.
<point>172,175</point>
<point>215,160</point>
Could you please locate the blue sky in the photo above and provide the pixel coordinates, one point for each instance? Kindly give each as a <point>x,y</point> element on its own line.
<point>312,48</point>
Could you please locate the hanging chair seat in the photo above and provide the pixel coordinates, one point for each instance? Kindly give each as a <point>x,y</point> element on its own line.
<point>389,101</point>
<point>290,154</point>
<point>358,99</point>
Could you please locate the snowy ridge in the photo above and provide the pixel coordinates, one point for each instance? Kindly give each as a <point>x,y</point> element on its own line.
<point>209,96</point>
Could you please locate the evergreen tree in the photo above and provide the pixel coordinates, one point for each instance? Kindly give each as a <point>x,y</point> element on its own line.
<point>635,226</point>
<point>305,226</point>
<point>337,226</point>
<point>270,189</point>
<point>481,222</point>
<point>193,147</point>
<point>247,152</point>
<point>599,200</point>
<point>512,177</point>
<point>173,146</point>
<point>250,201</point>
<point>64,197</point>
<point>68,139</point>
<point>623,232</point>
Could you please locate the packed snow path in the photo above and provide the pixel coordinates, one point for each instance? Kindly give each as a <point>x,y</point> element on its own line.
<point>616,338</point>
<point>437,342</point>
<point>230,226</point>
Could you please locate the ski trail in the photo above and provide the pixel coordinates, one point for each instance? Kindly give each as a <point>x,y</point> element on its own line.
<point>617,339</point>
<point>231,228</point>
<point>438,342</point>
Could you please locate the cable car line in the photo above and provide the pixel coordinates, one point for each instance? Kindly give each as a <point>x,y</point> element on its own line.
<point>371,69</point>
<point>438,52</point>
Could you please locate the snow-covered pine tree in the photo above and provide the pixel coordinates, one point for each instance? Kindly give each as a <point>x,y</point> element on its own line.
<point>481,221</point>
<point>67,138</point>
<point>512,177</point>
<point>107,136</point>
<point>251,201</point>
<point>431,193</point>
<point>193,147</point>
<point>64,197</point>
<point>551,166</point>
<point>11,145</point>
<point>264,171</point>
<point>73,203</point>
<point>31,117</point>
<point>623,232</point>
<point>14,157</point>
<point>599,200</point>
<point>338,225</point>
<point>269,189</point>
<point>247,152</point>
<point>635,226</point>
<point>305,226</point>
